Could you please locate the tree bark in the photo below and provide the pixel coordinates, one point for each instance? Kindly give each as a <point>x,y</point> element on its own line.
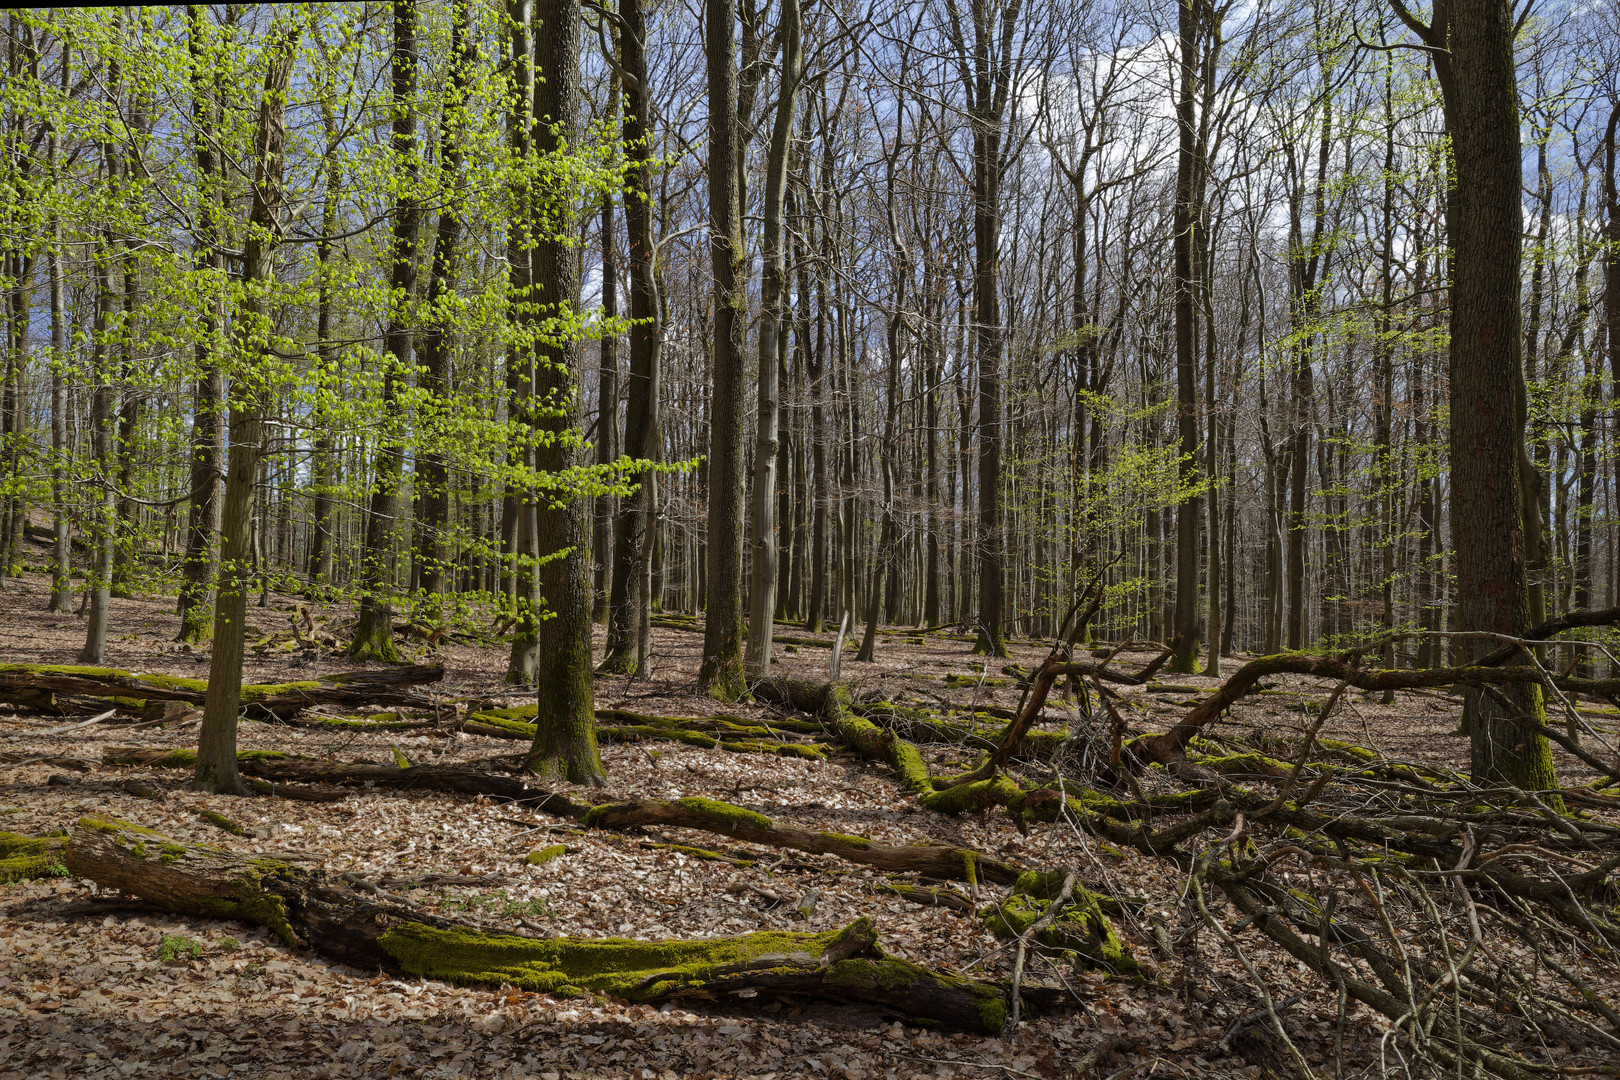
<point>565,736</point>
<point>207,431</point>
<point>308,910</point>
<point>216,746</point>
<point>774,308</point>
<point>1187,626</point>
<point>433,347</point>
<point>1484,224</point>
<point>722,671</point>
<point>635,522</point>
<point>374,633</point>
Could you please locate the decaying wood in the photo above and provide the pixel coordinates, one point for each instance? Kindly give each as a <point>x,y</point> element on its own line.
<point>332,917</point>
<point>35,686</point>
<point>941,861</point>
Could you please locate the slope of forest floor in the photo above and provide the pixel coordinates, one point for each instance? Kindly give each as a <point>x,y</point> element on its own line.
<point>90,987</point>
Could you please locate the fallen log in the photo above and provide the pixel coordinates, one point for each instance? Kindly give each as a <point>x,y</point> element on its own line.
<point>942,861</point>
<point>23,858</point>
<point>306,909</point>
<point>35,687</point>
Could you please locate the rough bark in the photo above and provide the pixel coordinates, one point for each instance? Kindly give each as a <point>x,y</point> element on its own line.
<point>722,670</point>
<point>565,738</point>
<point>216,747</point>
<point>1484,223</point>
<point>1187,628</point>
<point>374,634</point>
<point>309,910</point>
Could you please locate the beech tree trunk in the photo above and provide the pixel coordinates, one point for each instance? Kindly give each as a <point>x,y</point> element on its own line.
<point>635,523</point>
<point>433,348</point>
<point>207,432</point>
<point>565,735</point>
<point>216,745</point>
<point>374,634</point>
<point>722,670</point>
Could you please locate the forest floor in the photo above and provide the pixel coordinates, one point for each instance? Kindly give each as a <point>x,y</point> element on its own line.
<point>90,988</point>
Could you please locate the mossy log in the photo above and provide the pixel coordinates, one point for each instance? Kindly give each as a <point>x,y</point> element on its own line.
<point>1082,930</point>
<point>831,702</point>
<point>308,910</point>
<point>23,858</point>
<point>34,686</point>
<point>941,861</point>
<point>734,735</point>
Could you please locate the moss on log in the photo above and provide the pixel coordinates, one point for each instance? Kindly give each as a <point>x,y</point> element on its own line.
<point>308,910</point>
<point>941,861</point>
<point>31,684</point>
<point>23,858</point>
<point>832,703</point>
<point>1081,931</point>
<point>541,856</point>
<point>724,733</point>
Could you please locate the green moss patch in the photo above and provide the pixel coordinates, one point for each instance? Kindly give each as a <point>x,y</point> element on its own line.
<point>1082,931</point>
<point>545,854</point>
<point>23,858</point>
<point>632,970</point>
<point>724,814</point>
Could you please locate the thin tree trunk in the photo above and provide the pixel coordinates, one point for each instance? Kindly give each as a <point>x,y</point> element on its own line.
<point>433,348</point>
<point>634,524</point>
<point>1186,627</point>
<point>774,304</point>
<point>208,396</point>
<point>216,746</point>
<point>374,633</point>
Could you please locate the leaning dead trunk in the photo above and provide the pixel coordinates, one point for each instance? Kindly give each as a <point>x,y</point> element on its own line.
<point>308,910</point>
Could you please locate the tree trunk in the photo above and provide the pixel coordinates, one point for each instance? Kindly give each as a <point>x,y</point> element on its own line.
<point>607,390</point>
<point>635,521</point>
<point>774,309</point>
<point>374,633</point>
<point>1484,222</point>
<point>207,431</point>
<point>433,348</point>
<point>722,671</point>
<point>306,910</point>
<point>61,546</point>
<point>1187,627</point>
<point>565,736</point>
<point>216,746</point>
